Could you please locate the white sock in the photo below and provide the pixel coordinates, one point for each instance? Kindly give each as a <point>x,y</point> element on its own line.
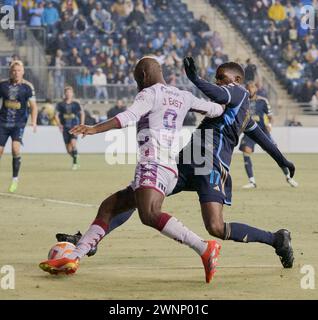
<point>252,179</point>
<point>89,240</point>
<point>175,230</point>
<point>15,179</point>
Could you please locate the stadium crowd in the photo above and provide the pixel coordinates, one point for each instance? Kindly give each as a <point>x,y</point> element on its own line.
<point>276,30</point>
<point>106,38</point>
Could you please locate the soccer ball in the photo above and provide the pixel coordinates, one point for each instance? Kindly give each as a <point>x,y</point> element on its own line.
<point>60,250</point>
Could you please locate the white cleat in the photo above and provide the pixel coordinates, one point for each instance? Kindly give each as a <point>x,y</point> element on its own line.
<point>292,182</point>
<point>250,185</point>
<point>75,167</point>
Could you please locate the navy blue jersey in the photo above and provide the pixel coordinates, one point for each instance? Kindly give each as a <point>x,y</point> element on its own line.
<point>69,114</point>
<point>260,110</point>
<point>228,127</point>
<point>15,109</point>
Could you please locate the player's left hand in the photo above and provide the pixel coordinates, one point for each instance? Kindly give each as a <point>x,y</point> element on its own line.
<point>34,128</point>
<point>82,129</point>
<point>190,68</point>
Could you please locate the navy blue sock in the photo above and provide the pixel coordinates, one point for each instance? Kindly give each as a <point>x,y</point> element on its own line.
<point>248,166</point>
<point>16,163</point>
<point>74,156</point>
<point>240,232</point>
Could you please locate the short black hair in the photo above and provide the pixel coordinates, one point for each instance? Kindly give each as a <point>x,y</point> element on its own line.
<point>234,67</point>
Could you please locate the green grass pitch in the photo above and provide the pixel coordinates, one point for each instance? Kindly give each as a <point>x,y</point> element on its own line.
<point>136,262</point>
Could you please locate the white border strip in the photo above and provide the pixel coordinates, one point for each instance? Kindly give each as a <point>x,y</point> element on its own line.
<point>69,203</point>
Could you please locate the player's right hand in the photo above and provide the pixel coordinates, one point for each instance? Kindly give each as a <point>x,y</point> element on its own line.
<point>82,129</point>
<point>190,68</point>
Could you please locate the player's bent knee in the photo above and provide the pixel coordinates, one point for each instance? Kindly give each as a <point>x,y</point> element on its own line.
<point>216,230</point>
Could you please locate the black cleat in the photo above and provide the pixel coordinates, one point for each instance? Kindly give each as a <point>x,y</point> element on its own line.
<point>283,247</point>
<point>60,237</point>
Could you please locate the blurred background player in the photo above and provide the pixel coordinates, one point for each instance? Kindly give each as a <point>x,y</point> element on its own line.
<point>69,113</point>
<point>261,113</point>
<point>18,98</point>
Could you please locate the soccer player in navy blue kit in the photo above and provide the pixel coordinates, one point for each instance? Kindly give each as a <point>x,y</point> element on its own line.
<point>18,99</point>
<point>216,139</point>
<point>69,114</point>
<point>261,113</point>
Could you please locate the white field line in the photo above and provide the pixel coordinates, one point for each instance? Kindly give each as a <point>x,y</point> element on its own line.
<point>120,267</point>
<point>69,203</point>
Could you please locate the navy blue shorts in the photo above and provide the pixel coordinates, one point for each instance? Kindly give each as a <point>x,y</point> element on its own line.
<point>15,133</point>
<point>247,142</point>
<point>214,187</point>
<point>68,136</point>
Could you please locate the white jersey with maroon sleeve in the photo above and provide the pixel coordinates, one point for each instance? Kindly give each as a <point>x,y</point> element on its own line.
<point>159,112</point>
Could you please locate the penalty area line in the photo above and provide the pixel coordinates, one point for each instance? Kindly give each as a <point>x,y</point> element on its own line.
<point>69,203</point>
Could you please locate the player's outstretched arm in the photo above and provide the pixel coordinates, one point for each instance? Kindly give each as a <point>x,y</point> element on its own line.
<point>257,134</point>
<point>98,128</point>
<point>214,92</point>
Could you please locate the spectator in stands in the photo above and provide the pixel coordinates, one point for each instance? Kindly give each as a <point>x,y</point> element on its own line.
<point>123,47</point>
<point>93,66</point>
<point>36,15</point>
<point>314,102</point>
<point>84,83</point>
<point>134,36</point>
<point>72,59</point>
<point>50,17</point>
<point>294,70</point>
<point>132,59</point>
<point>193,49</point>
<point>109,50</point>
<point>312,54</point>
<point>87,56</point>
<point>73,40</point>
<point>272,36</point>
<point>58,63</point>
<point>190,119</point>
<point>216,40</point>
<point>200,25</point>
<point>100,83</point>
<point>161,5</point>
<point>306,92</point>
<point>118,108</point>
<point>80,24</point>
<point>66,24</point>
<point>101,60</point>
<point>28,4</point>
<point>305,43</point>
<point>289,53</point>
<point>250,71</point>
<point>157,43</point>
<point>149,17</point>
<point>122,8</point>
<point>203,61</point>
<point>138,15</point>
<point>218,58</point>
<point>99,16</point>
<point>294,123</point>
<point>290,10</point>
<point>258,10</point>
<point>70,6</point>
<point>21,13</point>
<point>277,11</point>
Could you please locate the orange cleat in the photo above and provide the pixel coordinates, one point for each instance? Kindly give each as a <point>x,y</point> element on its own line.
<point>210,258</point>
<point>60,266</point>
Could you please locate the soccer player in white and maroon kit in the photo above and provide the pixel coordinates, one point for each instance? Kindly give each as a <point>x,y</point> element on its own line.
<point>159,111</point>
